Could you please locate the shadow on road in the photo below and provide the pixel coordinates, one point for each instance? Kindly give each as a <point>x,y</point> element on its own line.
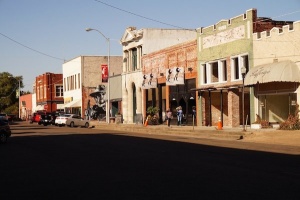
<point>108,166</point>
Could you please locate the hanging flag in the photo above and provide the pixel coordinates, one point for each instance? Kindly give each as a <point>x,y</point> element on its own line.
<point>104,69</point>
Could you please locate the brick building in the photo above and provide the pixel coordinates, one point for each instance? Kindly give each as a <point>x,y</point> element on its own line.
<point>165,94</point>
<point>49,94</point>
<point>85,82</point>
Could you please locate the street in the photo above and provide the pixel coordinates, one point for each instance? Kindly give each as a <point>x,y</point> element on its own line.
<point>48,162</point>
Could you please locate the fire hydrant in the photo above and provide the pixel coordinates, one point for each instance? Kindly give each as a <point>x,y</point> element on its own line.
<point>220,124</point>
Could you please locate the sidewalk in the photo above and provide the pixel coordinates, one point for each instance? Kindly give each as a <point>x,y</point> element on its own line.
<point>266,136</point>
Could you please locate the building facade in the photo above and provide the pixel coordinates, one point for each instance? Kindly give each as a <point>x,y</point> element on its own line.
<point>85,83</point>
<point>275,75</point>
<point>225,54</point>
<point>136,44</point>
<point>48,90</point>
<point>26,106</point>
<point>169,91</point>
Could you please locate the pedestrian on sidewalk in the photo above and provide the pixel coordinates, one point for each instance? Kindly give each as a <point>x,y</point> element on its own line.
<point>179,115</point>
<point>169,117</point>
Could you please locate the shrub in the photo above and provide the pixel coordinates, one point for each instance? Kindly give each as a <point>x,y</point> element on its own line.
<point>263,123</point>
<point>152,117</point>
<point>292,122</point>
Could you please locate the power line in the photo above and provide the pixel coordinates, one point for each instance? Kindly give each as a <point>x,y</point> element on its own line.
<point>31,48</point>
<point>141,16</point>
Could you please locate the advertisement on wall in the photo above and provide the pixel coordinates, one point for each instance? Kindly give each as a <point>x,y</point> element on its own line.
<point>104,69</point>
<point>149,81</point>
<point>175,76</point>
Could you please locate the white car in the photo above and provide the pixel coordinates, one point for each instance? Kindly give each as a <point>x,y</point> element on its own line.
<point>77,121</point>
<point>62,119</point>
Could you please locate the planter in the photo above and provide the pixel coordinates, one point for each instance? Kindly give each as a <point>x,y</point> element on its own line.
<point>255,126</point>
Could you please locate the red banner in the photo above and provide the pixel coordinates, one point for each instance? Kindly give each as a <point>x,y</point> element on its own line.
<point>104,69</point>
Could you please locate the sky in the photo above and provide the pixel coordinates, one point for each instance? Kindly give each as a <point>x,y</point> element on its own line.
<point>39,36</point>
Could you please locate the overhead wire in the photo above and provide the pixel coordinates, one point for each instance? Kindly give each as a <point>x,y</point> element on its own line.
<point>138,15</point>
<point>128,12</point>
<point>31,48</point>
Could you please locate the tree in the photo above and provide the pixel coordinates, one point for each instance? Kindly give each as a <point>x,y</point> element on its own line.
<point>9,86</point>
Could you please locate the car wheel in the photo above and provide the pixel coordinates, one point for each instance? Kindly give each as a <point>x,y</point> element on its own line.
<point>3,138</point>
<point>72,124</point>
<point>86,125</point>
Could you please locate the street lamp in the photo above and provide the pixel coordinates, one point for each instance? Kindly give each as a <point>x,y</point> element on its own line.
<point>108,63</point>
<point>19,107</point>
<point>243,71</point>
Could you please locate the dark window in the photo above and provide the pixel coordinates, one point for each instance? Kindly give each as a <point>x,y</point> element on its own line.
<point>134,59</point>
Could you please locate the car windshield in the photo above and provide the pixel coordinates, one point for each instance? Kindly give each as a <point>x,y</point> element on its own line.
<point>67,115</point>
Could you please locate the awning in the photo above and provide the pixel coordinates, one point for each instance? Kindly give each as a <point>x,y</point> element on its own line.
<point>39,107</point>
<point>59,106</point>
<point>285,71</point>
<point>76,103</point>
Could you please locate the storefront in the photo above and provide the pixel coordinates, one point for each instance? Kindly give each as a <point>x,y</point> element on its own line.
<point>276,90</point>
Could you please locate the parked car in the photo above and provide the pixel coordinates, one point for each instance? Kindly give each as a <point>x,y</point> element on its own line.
<point>76,121</point>
<point>5,131</point>
<point>36,117</point>
<point>46,119</point>
<point>61,120</point>
<point>3,116</point>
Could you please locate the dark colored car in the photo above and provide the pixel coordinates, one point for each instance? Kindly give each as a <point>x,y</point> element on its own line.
<point>5,131</point>
<point>46,119</point>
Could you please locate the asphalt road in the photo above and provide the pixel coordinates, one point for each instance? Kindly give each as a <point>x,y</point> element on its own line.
<point>75,163</point>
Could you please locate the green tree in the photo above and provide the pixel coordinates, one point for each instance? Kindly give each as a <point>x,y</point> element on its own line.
<point>9,90</point>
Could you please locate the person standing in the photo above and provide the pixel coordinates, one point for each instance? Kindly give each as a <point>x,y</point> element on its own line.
<point>169,117</point>
<point>86,113</point>
<point>179,115</point>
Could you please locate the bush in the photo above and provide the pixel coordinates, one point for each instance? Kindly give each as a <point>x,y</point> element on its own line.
<point>263,123</point>
<point>292,122</point>
<point>152,117</point>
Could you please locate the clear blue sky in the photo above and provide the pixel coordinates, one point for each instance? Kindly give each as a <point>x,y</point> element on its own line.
<point>36,36</point>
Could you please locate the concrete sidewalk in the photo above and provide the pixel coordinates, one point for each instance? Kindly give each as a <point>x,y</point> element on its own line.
<point>267,136</point>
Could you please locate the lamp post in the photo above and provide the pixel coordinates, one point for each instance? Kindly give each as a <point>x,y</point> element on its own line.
<point>243,72</point>
<point>19,107</point>
<point>108,63</point>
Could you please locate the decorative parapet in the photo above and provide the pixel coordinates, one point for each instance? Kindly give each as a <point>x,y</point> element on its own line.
<point>275,31</point>
<point>225,32</point>
<point>224,24</point>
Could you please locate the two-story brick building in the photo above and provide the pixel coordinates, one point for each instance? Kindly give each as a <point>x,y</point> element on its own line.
<point>169,92</point>
<point>49,96</point>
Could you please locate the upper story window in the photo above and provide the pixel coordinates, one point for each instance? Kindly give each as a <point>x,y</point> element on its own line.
<point>134,59</point>
<point>78,80</point>
<point>237,63</point>
<point>214,72</point>
<point>59,92</point>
